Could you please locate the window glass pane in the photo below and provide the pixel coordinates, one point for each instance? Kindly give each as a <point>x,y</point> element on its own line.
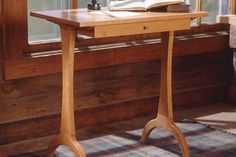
<point>84,3</point>
<point>192,3</point>
<point>193,8</point>
<point>215,8</point>
<point>40,30</point>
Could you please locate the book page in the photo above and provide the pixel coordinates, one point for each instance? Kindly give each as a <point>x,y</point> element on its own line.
<point>127,5</point>
<point>116,13</point>
<point>156,3</point>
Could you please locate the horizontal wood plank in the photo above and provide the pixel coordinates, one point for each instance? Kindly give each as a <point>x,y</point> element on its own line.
<point>52,83</point>
<point>48,125</point>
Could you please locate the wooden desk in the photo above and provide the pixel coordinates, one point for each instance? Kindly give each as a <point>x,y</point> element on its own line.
<point>103,24</point>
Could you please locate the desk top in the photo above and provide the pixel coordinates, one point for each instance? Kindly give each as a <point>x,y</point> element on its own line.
<point>83,18</point>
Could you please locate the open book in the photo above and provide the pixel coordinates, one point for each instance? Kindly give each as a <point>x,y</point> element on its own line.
<point>140,5</point>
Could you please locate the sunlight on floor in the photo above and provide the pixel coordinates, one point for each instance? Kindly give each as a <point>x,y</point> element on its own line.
<point>220,116</point>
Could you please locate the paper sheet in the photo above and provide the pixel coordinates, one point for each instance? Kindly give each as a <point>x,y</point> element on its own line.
<point>116,13</point>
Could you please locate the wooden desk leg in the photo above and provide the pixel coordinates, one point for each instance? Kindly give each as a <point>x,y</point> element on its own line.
<point>165,112</point>
<point>67,134</point>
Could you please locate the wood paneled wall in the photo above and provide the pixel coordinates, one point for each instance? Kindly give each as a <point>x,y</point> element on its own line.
<point>1,30</point>
<point>232,92</point>
<point>1,8</point>
<point>232,89</point>
<point>30,106</point>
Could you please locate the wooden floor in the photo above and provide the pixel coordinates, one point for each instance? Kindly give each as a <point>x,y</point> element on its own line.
<point>220,116</point>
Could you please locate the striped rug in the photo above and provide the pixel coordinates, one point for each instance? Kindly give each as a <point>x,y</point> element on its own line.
<point>203,142</point>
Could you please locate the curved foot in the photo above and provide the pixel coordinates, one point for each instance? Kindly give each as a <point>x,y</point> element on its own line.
<point>152,124</point>
<point>75,147</point>
<point>180,138</point>
<point>168,124</point>
<point>53,146</point>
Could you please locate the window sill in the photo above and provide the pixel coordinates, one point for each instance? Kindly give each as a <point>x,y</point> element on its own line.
<point>87,57</point>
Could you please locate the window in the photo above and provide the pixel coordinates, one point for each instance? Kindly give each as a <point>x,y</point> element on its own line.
<point>220,8</point>
<point>213,7</point>
<point>41,30</point>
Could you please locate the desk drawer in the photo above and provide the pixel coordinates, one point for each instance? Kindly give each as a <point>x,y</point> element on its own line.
<point>141,28</point>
